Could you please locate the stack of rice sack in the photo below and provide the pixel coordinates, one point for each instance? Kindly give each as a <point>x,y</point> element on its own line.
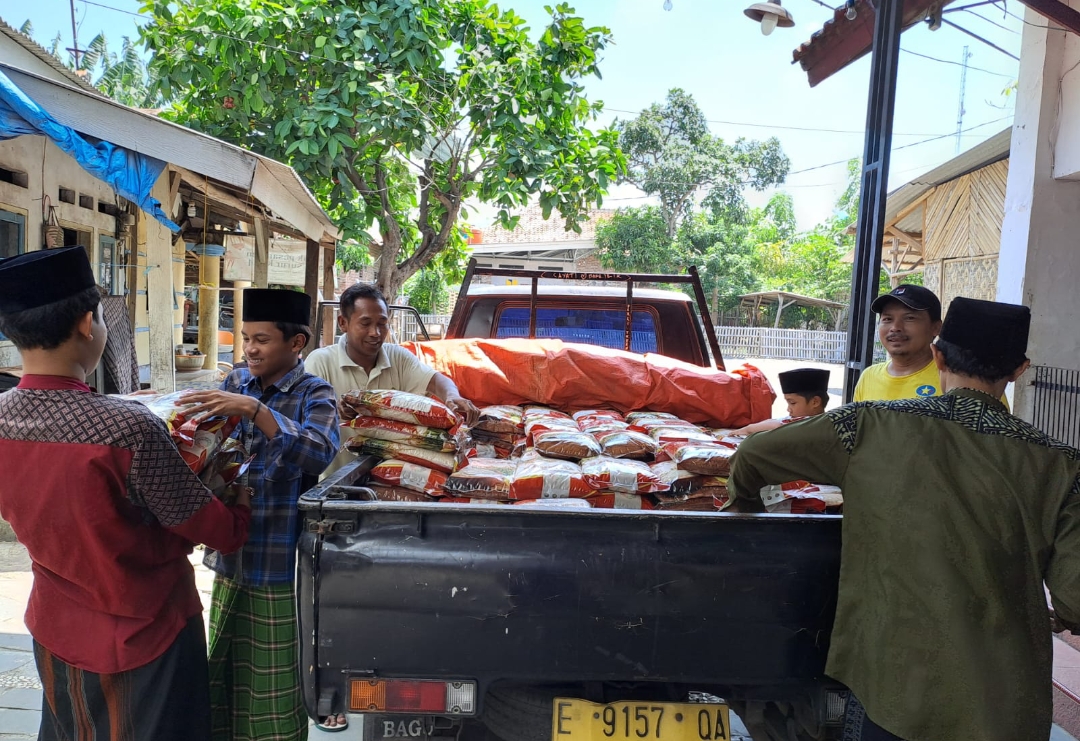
<point>205,444</point>
<point>412,434</point>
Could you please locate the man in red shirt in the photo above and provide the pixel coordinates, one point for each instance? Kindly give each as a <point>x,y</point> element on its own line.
<point>96,490</point>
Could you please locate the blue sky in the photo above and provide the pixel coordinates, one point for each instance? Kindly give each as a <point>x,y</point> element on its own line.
<point>744,81</point>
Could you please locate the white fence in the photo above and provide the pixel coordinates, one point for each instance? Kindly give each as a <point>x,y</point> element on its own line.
<point>786,344</point>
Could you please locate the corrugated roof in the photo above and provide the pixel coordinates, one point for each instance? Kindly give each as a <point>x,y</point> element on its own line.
<point>533,228</point>
<point>792,298</point>
<point>994,149</point>
<point>840,41</point>
<point>43,54</point>
<point>273,183</point>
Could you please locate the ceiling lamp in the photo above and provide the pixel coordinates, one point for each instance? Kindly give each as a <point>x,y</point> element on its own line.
<point>770,15</point>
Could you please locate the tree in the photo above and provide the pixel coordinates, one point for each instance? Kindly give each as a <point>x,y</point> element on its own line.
<point>635,240</point>
<point>396,111</point>
<point>427,292</point>
<point>124,77</point>
<point>724,255</point>
<point>672,154</point>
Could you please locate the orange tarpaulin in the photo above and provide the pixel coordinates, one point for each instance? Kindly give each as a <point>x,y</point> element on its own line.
<point>573,376</point>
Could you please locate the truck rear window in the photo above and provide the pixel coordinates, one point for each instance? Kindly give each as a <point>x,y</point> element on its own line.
<point>590,326</point>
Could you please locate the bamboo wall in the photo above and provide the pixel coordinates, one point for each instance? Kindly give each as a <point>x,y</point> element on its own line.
<point>962,234</point>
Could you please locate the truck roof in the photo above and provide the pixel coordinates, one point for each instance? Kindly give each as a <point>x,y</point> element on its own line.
<point>547,289</point>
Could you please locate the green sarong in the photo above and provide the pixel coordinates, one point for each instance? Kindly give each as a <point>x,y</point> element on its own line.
<point>254,664</point>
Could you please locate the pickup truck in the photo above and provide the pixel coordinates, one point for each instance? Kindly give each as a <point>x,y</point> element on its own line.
<point>474,621</point>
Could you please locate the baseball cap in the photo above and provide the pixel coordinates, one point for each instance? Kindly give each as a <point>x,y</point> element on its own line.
<point>913,297</point>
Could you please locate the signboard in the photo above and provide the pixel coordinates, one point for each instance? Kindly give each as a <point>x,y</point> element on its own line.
<point>287,259</point>
<point>239,261</point>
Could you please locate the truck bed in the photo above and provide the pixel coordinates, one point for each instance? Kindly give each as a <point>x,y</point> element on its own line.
<point>501,594</point>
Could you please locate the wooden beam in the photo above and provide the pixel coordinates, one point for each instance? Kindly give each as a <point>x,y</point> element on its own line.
<point>328,294</point>
<point>906,237</point>
<point>1056,11</point>
<point>910,208</point>
<point>311,286</point>
<point>262,254</point>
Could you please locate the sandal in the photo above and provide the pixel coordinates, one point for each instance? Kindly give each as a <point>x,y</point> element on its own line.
<point>322,725</point>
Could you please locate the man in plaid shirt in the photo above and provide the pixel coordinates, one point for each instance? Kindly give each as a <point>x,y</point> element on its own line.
<point>291,427</point>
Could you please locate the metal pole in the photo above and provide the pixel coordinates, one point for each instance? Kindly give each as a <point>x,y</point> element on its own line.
<point>888,25</point>
<point>74,36</point>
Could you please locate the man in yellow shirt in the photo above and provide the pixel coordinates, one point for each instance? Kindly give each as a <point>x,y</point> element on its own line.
<point>909,318</point>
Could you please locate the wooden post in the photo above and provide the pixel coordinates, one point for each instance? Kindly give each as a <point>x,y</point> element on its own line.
<point>262,254</point>
<point>311,285</point>
<point>179,280</point>
<point>328,294</point>
<point>159,294</point>
<point>238,319</point>
<point>209,306</point>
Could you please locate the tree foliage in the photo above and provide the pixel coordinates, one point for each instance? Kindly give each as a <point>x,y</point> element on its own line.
<point>397,111</point>
<point>672,154</point>
<point>635,240</point>
<point>124,76</point>
<point>427,292</point>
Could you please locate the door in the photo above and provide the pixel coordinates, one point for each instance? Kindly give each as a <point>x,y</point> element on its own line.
<point>12,234</point>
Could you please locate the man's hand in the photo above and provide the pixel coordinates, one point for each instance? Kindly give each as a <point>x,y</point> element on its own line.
<point>464,409</point>
<point>1055,623</point>
<point>241,496</point>
<point>769,424</point>
<point>220,404</point>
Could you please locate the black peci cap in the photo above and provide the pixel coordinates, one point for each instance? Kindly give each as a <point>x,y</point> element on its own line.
<point>43,277</point>
<point>276,305</point>
<point>804,381</point>
<point>996,334</point>
<point>913,297</point>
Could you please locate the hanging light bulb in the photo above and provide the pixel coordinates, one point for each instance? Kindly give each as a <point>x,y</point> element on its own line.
<point>668,5</point>
<point>851,14</point>
<point>770,14</point>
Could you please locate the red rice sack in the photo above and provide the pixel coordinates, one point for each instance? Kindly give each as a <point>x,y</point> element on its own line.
<point>706,460</point>
<point>648,425</point>
<point>679,483</point>
<point>663,435</point>
<point>699,501</point>
<point>399,405</point>
<point>197,439</point>
<point>385,493</point>
<point>597,426</point>
<point>377,428</point>
<point>618,500</point>
<point>627,444</point>
<point>568,445</point>
<point>409,476</point>
<point>597,414</point>
<point>612,474</point>
<point>801,498</point>
<point>228,463</point>
<point>482,479</point>
<point>445,462</point>
<point>501,418</point>
<point>544,478</point>
<point>539,424</point>
<point>634,417</point>
<point>555,503</point>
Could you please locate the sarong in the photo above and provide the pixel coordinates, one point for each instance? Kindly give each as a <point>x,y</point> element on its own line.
<point>254,664</point>
<point>165,700</point>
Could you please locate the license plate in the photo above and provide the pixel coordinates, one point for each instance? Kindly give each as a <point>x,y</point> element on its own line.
<point>579,720</point>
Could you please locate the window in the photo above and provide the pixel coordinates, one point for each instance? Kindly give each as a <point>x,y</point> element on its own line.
<point>86,201</point>
<point>603,327</point>
<point>12,234</point>
<point>110,271</point>
<point>77,237</point>
<point>67,195</point>
<point>15,177</point>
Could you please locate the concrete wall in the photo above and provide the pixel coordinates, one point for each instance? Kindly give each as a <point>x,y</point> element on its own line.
<point>1039,264</point>
<point>47,170</point>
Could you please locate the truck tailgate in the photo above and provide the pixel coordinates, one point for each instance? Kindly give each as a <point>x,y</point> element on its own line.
<point>499,593</point>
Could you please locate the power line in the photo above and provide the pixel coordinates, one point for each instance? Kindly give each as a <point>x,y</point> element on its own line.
<point>958,64</point>
<point>977,37</point>
<point>994,23</point>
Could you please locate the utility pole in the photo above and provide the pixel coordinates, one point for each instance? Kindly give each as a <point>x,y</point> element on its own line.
<point>74,36</point>
<point>963,92</point>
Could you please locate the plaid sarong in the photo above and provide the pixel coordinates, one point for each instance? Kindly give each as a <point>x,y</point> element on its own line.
<point>254,664</point>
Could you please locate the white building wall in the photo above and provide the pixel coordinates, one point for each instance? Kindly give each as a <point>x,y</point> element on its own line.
<point>1040,260</point>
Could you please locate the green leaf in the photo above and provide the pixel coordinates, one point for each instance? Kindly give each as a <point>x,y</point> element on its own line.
<point>320,42</point>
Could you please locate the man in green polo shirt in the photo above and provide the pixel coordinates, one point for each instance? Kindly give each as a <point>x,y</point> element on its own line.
<point>955,514</point>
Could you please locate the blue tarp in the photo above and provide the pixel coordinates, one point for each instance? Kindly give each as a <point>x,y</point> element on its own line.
<point>131,174</point>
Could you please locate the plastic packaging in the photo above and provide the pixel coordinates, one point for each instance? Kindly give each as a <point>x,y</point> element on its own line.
<point>612,474</point>
<point>483,479</point>
<point>707,460</point>
<point>544,478</point>
<point>569,445</point>
<point>409,476</point>
<point>398,405</point>
<point>627,444</point>
<point>417,436</point>
<point>501,418</point>
<point>445,462</point>
<point>801,498</point>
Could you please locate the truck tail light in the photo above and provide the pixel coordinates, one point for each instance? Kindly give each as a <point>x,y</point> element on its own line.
<point>412,696</point>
